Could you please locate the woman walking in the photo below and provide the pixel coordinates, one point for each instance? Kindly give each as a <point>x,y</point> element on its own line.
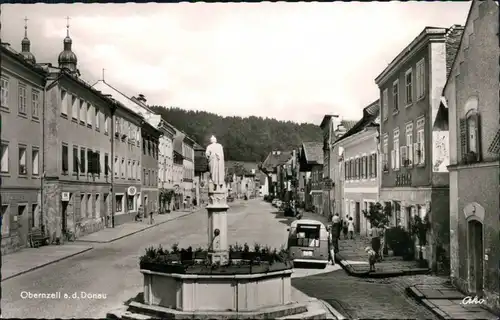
<point>350,228</point>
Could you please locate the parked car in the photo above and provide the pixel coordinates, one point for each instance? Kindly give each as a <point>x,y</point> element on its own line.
<point>308,242</point>
<point>275,202</point>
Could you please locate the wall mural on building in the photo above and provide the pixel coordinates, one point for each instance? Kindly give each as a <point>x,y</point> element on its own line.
<point>440,152</point>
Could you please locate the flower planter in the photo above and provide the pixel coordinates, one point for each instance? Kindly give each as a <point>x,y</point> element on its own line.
<point>201,255</point>
<point>192,268</point>
<point>235,255</point>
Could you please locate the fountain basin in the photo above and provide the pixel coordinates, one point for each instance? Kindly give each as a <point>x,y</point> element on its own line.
<point>224,293</point>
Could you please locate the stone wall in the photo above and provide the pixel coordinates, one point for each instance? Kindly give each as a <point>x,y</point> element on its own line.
<point>52,209</point>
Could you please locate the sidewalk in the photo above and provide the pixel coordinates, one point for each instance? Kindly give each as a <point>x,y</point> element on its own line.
<point>29,259</point>
<point>447,302</point>
<point>127,229</point>
<point>353,258</point>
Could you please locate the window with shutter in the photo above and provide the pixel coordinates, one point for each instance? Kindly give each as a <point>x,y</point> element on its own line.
<point>463,137</point>
<point>393,160</point>
<point>375,165</point>
<point>370,173</point>
<point>90,160</point>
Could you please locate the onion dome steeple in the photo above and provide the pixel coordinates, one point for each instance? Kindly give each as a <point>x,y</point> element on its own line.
<point>67,58</point>
<point>25,45</point>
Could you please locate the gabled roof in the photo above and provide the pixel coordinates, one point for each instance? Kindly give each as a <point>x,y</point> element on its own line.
<point>7,49</point>
<point>313,152</point>
<point>276,158</point>
<point>348,124</point>
<point>370,114</point>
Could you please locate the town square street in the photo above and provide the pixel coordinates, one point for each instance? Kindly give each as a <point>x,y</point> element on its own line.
<point>109,274</point>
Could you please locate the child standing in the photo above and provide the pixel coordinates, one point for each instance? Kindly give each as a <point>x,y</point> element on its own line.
<point>372,258</point>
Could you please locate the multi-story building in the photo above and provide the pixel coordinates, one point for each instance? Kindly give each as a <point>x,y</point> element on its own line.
<point>201,174</point>
<point>78,150</point>
<point>126,165</point>
<point>166,163</point>
<point>188,170</point>
<point>415,178</point>
<point>270,168</point>
<point>333,128</point>
<point>311,165</point>
<point>178,174</point>
<point>359,183</point>
<point>21,111</point>
<point>472,97</point>
<point>149,161</point>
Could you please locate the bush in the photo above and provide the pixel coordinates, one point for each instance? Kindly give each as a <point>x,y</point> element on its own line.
<point>400,242</point>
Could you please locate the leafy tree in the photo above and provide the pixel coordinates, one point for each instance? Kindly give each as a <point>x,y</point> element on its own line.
<point>244,139</point>
<point>377,214</point>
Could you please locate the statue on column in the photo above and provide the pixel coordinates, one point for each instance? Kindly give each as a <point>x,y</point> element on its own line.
<point>215,156</point>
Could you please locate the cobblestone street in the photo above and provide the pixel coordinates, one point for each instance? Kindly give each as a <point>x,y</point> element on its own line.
<point>363,298</point>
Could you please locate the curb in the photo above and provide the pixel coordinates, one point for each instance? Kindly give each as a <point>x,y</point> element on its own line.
<point>420,298</point>
<point>377,275</point>
<point>46,264</point>
<point>332,310</point>
<point>137,231</point>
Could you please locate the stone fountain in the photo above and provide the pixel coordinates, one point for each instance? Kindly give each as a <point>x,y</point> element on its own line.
<point>231,295</point>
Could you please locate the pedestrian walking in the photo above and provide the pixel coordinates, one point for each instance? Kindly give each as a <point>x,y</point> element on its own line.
<point>344,226</point>
<point>151,219</point>
<point>350,228</point>
<point>331,246</point>
<point>382,242</point>
<point>140,213</point>
<point>335,232</point>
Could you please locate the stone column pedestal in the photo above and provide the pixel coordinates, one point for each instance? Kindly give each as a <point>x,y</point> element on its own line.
<point>217,225</point>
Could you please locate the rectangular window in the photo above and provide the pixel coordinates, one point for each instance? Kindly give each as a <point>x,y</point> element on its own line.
<point>23,169</point>
<point>138,173</point>
<point>106,164</point>
<point>396,149</point>
<point>35,161</point>
<point>106,124</point>
<point>129,169</point>
<point>395,95</point>
<point>122,168</point>
<point>5,157</point>
<point>65,158</point>
<point>5,221</point>
<point>75,108</point>
<point>409,144</point>
<point>97,118</point>
<point>97,206</point>
<point>34,208</point>
<point>35,104</point>
<point>420,79</point>
<point>366,166</point>
<point>144,177</point>
<point>83,111</point>
<point>83,212</point>
<point>22,98</point>
<point>143,146</point>
<point>75,159</point>
<point>420,147</point>
<point>97,162</point>
<point>64,102</point>
<point>374,165</point>
<point>117,164</point>
<point>90,114</point>
<point>130,203</point>
<point>119,203</point>
<point>89,206</point>
<point>409,87</point>
<point>403,156</point>
<point>90,161</point>
<point>385,152</point>
<point>4,100</point>
<point>82,160</point>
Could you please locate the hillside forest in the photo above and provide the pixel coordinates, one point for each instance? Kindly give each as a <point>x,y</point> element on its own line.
<point>244,139</point>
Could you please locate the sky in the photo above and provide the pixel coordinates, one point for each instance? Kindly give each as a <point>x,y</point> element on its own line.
<point>289,61</point>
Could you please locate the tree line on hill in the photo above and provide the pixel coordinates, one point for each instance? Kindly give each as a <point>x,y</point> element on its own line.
<point>244,139</point>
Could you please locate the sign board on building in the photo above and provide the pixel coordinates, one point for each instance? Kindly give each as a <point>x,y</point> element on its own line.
<point>65,196</point>
<point>131,191</point>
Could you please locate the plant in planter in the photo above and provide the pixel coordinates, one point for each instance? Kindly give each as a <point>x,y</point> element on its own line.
<point>419,228</point>
<point>200,254</point>
<point>377,214</point>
